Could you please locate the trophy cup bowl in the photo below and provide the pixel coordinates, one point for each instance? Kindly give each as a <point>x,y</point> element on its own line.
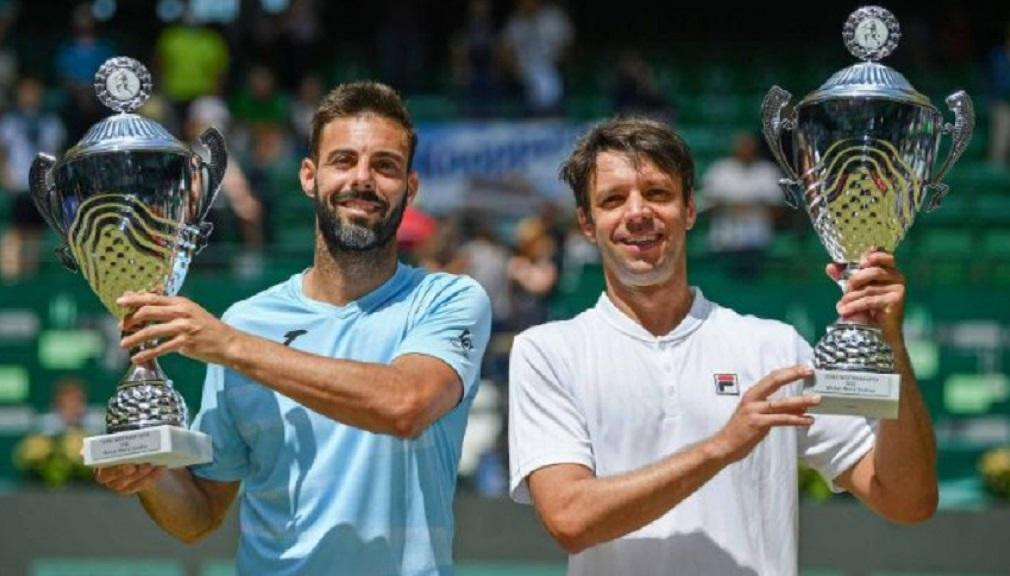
<point>863,151</point>
<point>129,202</point>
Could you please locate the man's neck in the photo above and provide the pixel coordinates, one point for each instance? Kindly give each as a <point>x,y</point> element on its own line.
<point>659,309</point>
<point>343,277</point>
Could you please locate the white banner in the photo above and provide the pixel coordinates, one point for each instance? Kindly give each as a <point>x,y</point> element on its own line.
<point>504,166</point>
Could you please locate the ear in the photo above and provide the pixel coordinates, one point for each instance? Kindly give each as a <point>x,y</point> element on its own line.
<point>413,186</point>
<point>307,177</point>
<point>586,225</point>
<point>692,212</point>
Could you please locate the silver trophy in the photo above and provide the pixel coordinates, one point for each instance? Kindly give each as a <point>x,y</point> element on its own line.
<point>863,151</point>
<point>129,202</point>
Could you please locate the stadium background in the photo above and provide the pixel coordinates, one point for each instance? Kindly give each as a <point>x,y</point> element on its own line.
<point>488,162</point>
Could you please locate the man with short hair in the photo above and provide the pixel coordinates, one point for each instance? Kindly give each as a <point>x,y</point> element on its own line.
<point>660,433</point>
<point>339,397</point>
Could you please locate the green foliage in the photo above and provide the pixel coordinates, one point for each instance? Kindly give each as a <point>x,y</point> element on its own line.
<point>812,486</point>
<point>55,461</point>
<point>994,466</point>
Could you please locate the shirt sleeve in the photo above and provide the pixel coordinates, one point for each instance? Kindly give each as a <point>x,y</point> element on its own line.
<point>546,425</point>
<point>834,443</point>
<point>455,329</point>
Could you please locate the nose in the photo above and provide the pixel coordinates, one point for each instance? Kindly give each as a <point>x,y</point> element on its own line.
<point>638,210</point>
<point>362,177</point>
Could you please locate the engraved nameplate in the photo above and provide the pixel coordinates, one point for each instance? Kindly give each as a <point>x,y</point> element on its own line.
<point>855,393</point>
<point>127,444</point>
<point>164,445</point>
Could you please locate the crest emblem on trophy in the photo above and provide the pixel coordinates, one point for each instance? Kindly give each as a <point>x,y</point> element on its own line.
<point>864,146</point>
<point>129,202</point>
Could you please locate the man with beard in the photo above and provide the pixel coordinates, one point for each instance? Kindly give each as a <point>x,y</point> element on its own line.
<point>339,397</point>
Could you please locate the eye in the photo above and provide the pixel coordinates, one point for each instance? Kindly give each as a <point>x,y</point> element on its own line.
<point>659,194</point>
<point>387,166</point>
<point>343,160</point>
<point>611,201</point>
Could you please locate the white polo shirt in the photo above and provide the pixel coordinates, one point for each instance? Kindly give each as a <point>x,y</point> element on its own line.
<point>601,391</point>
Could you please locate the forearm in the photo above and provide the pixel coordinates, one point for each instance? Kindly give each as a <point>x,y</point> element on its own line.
<point>371,396</point>
<point>905,449</point>
<point>180,507</point>
<point>600,509</point>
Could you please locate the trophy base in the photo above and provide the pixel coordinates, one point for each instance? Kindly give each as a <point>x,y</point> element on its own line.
<point>855,393</point>
<point>164,445</point>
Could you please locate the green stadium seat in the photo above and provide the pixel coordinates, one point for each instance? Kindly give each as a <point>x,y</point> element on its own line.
<point>995,252</point>
<point>432,107</point>
<point>945,243</point>
<point>785,246</point>
<point>993,208</point>
<point>996,243</point>
<point>956,210</point>
<point>587,107</point>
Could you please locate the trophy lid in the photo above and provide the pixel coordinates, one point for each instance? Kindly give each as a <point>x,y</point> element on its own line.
<point>870,33</point>
<point>124,85</point>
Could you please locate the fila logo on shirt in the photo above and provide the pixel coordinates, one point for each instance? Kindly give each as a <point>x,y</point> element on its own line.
<point>727,384</point>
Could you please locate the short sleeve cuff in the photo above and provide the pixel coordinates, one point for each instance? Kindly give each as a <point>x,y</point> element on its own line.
<point>218,474</point>
<point>519,488</point>
<point>847,458</point>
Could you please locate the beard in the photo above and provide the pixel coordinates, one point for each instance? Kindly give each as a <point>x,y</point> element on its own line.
<point>350,236</point>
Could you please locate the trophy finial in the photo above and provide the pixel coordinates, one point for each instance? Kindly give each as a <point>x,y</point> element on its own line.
<point>123,84</point>
<point>871,33</point>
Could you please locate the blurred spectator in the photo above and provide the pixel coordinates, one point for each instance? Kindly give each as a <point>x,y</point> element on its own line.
<point>473,60</point>
<point>551,219</point>
<point>70,410</point>
<point>77,61</point>
<point>401,45</point>
<point>259,101</point>
<point>25,131</point>
<point>193,61</point>
<point>310,92</point>
<point>415,231</point>
<point>272,170</point>
<point>236,192</point>
<point>8,54</point>
<point>536,38</point>
<point>533,273</point>
<point>743,193</point>
<point>52,455</point>
<point>439,252</point>
<point>159,109</point>
<point>487,262</point>
<point>956,35</point>
<point>998,73</point>
<point>302,36</point>
<point>578,251</point>
<point>635,90</point>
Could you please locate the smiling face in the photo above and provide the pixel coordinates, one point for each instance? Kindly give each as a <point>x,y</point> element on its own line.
<point>360,182</point>
<point>638,217</point>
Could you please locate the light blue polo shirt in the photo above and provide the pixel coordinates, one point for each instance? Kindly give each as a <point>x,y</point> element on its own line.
<point>321,497</point>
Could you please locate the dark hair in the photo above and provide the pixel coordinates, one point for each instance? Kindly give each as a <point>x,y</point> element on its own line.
<point>362,98</point>
<point>634,136</point>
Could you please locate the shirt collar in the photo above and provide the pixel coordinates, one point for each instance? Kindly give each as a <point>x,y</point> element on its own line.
<point>365,303</point>
<point>699,312</point>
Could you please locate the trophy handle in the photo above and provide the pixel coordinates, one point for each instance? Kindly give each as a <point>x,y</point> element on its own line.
<point>961,130</point>
<point>775,120</point>
<point>41,190</point>
<point>214,142</point>
<point>44,197</point>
